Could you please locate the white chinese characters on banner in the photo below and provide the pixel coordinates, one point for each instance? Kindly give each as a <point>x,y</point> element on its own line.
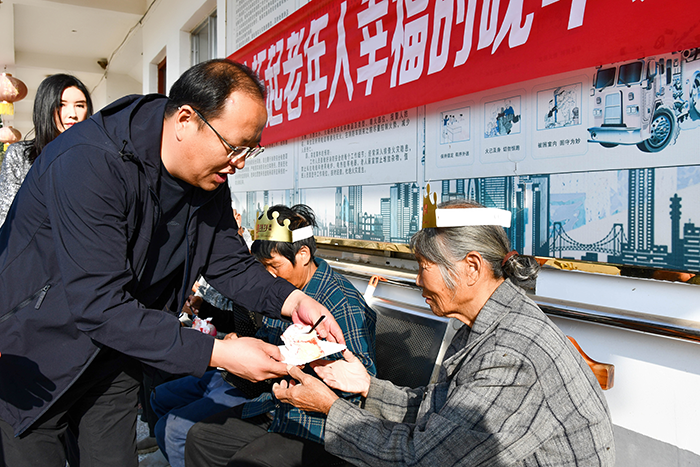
<point>314,49</point>
<point>370,44</point>
<point>342,61</point>
<point>376,45</point>
<point>292,67</point>
<point>372,151</point>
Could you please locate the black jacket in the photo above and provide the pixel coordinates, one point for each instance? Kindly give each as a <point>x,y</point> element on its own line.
<point>72,248</point>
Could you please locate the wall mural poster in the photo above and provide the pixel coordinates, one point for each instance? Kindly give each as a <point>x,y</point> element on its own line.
<point>378,213</point>
<point>503,137</point>
<point>560,112</point>
<point>372,151</point>
<point>597,165</point>
<point>376,150</point>
<point>639,217</point>
<point>456,143</point>
<point>501,119</point>
<point>273,168</point>
<point>252,18</point>
<point>635,114</point>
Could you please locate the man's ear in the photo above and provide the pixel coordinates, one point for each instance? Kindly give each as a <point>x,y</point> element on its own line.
<point>184,120</point>
<point>304,256</point>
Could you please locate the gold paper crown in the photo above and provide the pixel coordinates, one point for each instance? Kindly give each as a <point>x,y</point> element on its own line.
<point>271,230</point>
<point>429,207</point>
<point>461,217</point>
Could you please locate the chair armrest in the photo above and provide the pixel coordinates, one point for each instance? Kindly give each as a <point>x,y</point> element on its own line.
<point>604,372</point>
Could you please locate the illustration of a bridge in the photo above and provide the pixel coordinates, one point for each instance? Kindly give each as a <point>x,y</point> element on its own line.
<point>611,244</point>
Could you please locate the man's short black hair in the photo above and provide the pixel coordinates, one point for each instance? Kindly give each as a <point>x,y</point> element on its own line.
<point>300,216</point>
<point>206,86</point>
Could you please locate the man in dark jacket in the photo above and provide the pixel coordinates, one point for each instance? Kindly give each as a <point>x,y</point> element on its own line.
<point>114,222</point>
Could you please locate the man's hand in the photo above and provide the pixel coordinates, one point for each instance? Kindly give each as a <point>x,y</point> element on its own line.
<point>309,394</point>
<point>348,375</point>
<point>192,304</point>
<point>249,358</point>
<point>305,310</point>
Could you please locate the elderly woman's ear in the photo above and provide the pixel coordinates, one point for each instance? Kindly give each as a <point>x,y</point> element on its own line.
<point>474,267</point>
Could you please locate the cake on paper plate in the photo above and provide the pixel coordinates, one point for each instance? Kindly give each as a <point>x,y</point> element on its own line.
<point>301,346</point>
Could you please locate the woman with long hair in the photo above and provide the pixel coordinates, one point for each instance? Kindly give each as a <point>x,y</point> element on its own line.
<point>61,101</point>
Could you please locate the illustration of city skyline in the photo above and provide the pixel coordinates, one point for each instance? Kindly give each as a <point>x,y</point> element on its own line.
<point>629,217</point>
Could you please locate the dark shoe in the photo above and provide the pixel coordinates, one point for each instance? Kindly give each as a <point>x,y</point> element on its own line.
<point>146,445</point>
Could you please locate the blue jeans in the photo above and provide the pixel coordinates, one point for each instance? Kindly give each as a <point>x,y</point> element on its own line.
<point>181,403</point>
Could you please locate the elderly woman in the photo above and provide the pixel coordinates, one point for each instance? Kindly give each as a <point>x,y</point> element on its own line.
<point>512,389</point>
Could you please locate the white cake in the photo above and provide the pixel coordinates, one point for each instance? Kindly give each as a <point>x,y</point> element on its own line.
<point>302,344</point>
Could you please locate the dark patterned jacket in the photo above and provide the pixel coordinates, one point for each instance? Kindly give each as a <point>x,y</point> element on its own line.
<point>513,391</point>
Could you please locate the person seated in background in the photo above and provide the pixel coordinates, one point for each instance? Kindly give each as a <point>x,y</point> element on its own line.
<point>512,389</point>
<point>287,253</point>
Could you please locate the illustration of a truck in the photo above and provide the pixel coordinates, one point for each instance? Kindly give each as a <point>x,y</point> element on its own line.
<point>645,102</point>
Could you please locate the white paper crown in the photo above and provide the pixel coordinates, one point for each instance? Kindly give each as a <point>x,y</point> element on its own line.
<point>271,230</point>
<point>461,217</point>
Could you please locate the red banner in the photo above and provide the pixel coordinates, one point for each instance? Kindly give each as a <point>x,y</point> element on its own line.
<point>337,62</point>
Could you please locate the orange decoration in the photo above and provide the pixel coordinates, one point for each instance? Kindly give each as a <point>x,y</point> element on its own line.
<point>11,89</point>
<point>9,135</point>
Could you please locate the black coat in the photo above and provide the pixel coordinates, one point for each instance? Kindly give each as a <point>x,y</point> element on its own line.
<point>72,248</point>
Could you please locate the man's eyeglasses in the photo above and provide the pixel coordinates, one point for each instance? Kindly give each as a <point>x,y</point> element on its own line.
<point>236,151</point>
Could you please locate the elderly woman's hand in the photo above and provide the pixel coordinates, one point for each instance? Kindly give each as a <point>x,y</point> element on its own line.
<point>347,375</point>
<point>237,216</point>
<point>308,394</point>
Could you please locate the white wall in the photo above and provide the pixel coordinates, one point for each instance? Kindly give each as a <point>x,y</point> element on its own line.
<point>166,33</point>
<point>113,87</point>
<point>657,380</point>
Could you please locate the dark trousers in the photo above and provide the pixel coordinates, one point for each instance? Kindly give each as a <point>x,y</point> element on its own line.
<point>100,409</point>
<point>152,378</point>
<point>226,440</point>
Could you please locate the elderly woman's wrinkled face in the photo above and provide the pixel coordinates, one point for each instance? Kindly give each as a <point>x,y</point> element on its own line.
<point>441,300</point>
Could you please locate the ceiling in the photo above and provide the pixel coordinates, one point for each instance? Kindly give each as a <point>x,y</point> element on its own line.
<point>42,37</point>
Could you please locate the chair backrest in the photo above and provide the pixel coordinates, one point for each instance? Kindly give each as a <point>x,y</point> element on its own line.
<point>410,343</point>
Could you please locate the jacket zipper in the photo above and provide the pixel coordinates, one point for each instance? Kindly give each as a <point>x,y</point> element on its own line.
<point>41,294</point>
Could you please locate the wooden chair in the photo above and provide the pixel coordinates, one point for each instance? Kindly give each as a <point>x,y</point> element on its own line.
<point>604,372</point>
